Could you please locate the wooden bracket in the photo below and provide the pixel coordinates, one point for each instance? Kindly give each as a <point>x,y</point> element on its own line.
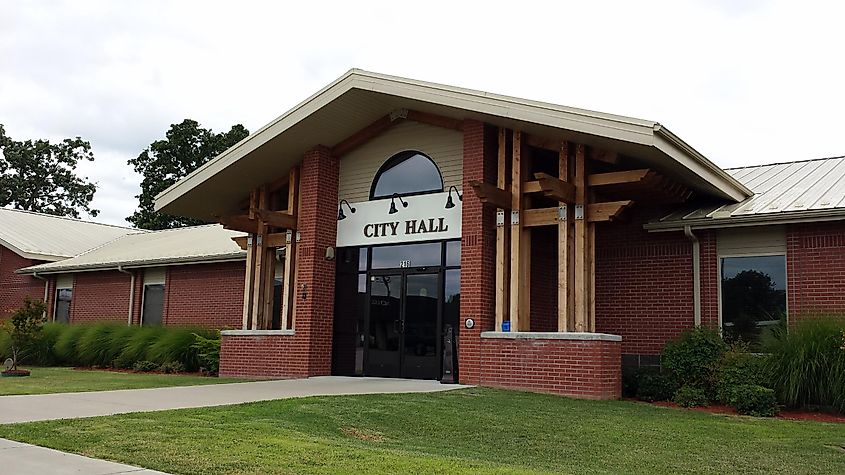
<point>618,178</point>
<point>492,194</point>
<point>555,188</point>
<point>277,218</point>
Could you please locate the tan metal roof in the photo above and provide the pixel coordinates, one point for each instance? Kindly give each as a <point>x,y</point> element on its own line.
<point>808,190</point>
<point>50,238</point>
<point>358,98</point>
<point>153,248</point>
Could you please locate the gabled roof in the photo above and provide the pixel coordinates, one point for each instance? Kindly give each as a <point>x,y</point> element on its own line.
<point>358,98</point>
<point>49,238</point>
<point>807,190</point>
<point>189,245</point>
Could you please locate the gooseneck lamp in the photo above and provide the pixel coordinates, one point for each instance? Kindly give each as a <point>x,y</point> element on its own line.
<point>449,202</point>
<point>393,209</point>
<point>340,214</point>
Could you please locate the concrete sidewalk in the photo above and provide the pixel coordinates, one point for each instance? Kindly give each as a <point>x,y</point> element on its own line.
<point>24,459</point>
<point>44,407</point>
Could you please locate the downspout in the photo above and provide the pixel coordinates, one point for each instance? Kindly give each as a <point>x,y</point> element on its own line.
<point>131,293</point>
<point>696,274</point>
<point>46,290</point>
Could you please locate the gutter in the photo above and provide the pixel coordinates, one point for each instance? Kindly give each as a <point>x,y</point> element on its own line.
<point>791,217</point>
<point>46,290</point>
<point>234,257</point>
<point>696,275</point>
<point>131,293</point>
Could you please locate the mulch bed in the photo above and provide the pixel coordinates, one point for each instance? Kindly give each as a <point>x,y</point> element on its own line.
<point>791,414</point>
<point>132,371</point>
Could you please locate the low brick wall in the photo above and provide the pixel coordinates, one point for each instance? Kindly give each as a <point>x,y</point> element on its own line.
<point>581,365</point>
<point>263,354</point>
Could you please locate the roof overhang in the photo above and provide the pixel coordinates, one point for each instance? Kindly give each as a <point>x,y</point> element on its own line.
<point>763,219</point>
<point>35,256</point>
<point>44,269</point>
<point>358,98</point>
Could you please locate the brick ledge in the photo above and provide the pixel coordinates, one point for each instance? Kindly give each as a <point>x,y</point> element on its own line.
<point>258,332</point>
<point>552,336</point>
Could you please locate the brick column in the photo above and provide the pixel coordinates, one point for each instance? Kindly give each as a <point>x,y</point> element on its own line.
<point>478,250</point>
<point>314,293</point>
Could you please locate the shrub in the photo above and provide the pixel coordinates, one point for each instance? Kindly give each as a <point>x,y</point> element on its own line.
<point>24,327</point>
<point>807,364</point>
<point>145,366</point>
<point>172,367</point>
<point>692,359</point>
<point>208,352</point>
<point>738,367</point>
<point>176,344</point>
<point>94,344</point>
<point>119,339</point>
<point>689,396</point>
<point>41,351</point>
<point>137,346</point>
<point>65,346</point>
<point>652,385</point>
<point>754,400</point>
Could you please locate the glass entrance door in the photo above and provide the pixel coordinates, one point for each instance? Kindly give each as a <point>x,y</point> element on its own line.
<point>403,339</point>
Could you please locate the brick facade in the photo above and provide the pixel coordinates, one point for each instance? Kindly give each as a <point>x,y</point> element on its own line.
<point>208,295</point>
<point>589,369</point>
<point>265,356</point>
<point>815,266</point>
<point>14,287</point>
<point>100,296</point>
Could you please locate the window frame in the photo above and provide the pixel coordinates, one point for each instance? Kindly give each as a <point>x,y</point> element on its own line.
<point>389,164</point>
<point>719,258</point>
<point>56,303</point>
<point>144,299</point>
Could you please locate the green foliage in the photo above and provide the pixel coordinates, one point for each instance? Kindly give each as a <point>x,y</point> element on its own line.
<point>94,345</point>
<point>693,358</point>
<point>176,344</point>
<point>172,367</point>
<point>65,346</point>
<point>40,351</point>
<point>40,176</point>
<point>754,400</point>
<point>137,346</point>
<point>737,367</point>
<point>185,148</point>
<point>208,352</point>
<point>145,366</point>
<point>807,364</point>
<point>653,385</point>
<point>689,396</point>
<point>25,325</point>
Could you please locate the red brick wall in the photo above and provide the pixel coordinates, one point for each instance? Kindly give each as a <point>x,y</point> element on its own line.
<point>100,296</point>
<point>544,279</point>
<point>264,356</point>
<point>589,369</point>
<point>14,287</point>
<point>478,247</point>
<point>209,295</point>
<point>644,284</point>
<point>710,279</point>
<point>815,266</point>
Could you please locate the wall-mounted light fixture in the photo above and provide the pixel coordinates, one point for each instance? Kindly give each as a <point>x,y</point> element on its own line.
<point>340,214</point>
<point>449,202</point>
<point>393,209</point>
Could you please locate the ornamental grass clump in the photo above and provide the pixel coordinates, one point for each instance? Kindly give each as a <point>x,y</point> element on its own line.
<point>177,345</point>
<point>137,346</point>
<point>93,346</point>
<point>65,347</point>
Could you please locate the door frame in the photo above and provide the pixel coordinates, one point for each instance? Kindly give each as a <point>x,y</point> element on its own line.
<point>439,271</point>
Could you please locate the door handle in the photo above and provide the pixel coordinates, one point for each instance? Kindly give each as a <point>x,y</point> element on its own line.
<point>398,326</point>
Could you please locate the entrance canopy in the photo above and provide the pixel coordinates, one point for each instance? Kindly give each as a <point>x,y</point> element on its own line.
<point>359,99</point>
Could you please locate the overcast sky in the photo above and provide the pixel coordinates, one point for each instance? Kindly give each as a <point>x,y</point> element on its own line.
<point>744,82</point>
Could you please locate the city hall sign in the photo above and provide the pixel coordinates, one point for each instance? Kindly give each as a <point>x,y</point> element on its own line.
<point>425,218</point>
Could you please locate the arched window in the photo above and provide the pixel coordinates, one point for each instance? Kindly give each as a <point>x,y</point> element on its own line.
<point>407,173</point>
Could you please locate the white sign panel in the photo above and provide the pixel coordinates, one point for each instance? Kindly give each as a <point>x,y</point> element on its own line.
<point>426,218</point>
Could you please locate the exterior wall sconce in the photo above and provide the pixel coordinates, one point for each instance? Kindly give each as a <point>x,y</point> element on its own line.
<point>393,209</point>
<point>340,214</point>
<point>449,202</point>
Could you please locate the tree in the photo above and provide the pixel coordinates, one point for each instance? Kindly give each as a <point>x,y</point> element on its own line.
<point>186,147</point>
<point>25,326</point>
<point>40,176</point>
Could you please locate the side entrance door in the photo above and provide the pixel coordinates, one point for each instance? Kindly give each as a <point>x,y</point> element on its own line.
<point>403,324</point>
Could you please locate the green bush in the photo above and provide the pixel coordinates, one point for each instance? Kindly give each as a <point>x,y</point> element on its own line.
<point>119,339</point>
<point>93,346</point>
<point>693,358</point>
<point>65,346</point>
<point>172,367</point>
<point>807,364</point>
<point>689,396</point>
<point>5,346</point>
<point>653,385</point>
<point>754,400</point>
<point>145,366</point>
<point>738,367</point>
<point>208,352</point>
<point>176,344</point>
<point>137,346</point>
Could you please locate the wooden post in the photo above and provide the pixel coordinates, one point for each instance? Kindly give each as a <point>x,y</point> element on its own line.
<point>565,234</point>
<point>248,276</point>
<point>502,238</point>
<point>260,273</point>
<point>581,243</point>
<point>288,289</point>
<point>520,272</point>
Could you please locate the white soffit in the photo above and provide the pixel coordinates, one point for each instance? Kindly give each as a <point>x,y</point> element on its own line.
<point>358,98</point>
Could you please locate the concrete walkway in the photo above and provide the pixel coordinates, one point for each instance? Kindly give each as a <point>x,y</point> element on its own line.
<point>44,407</point>
<point>24,459</point>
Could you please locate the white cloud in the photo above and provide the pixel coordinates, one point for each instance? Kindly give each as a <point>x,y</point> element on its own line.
<point>745,82</point>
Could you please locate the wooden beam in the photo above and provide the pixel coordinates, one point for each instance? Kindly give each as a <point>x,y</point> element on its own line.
<point>273,240</point>
<point>602,155</point>
<point>278,219</point>
<point>520,272</point>
<point>608,211</point>
<point>617,178</point>
<point>248,283</point>
<point>435,120</point>
<point>565,232</point>
<point>362,136</point>
<point>555,188</point>
<point>239,222</point>
<point>494,195</point>
<point>260,263</point>
<point>582,278</point>
<point>540,142</point>
<point>502,238</point>
<point>241,241</point>
<point>288,276</point>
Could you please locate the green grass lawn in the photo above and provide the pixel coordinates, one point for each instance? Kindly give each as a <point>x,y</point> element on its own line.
<point>68,380</point>
<point>472,430</point>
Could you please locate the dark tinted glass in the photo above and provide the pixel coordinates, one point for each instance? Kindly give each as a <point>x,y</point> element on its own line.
<point>453,253</point>
<point>63,298</point>
<point>419,255</point>
<point>362,259</point>
<point>153,305</point>
<point>407,173</point>
<point>753,295</point>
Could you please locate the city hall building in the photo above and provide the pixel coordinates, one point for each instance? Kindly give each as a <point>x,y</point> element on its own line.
<point>397,228</point>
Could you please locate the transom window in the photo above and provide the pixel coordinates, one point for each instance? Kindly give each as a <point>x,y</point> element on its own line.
<point>407,173</point>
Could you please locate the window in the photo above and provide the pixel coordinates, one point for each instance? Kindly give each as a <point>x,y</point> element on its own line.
<point>63,298</point>
<point>753,295</point>
<point>153,305</point>
<point>407,173</point>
